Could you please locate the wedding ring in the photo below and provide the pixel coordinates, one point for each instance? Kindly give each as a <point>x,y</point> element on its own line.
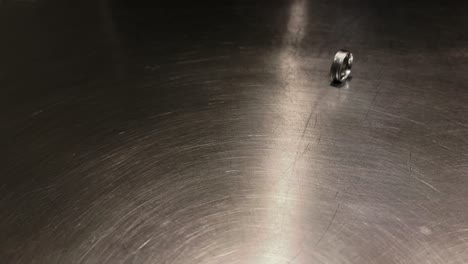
<point>341,66</point>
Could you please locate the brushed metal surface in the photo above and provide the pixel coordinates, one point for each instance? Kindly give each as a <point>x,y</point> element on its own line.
<point>209,133</point>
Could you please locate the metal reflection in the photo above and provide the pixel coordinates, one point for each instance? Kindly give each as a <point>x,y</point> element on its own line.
<point>283,243</point>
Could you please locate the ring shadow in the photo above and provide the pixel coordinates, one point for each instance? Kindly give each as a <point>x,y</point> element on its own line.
<point>338,84</point>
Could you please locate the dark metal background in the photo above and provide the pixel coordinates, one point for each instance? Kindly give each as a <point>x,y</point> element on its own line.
<point>208,132</point>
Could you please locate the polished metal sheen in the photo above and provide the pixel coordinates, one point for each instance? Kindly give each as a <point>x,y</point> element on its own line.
<point>206,132</point>
<point>341,66</point>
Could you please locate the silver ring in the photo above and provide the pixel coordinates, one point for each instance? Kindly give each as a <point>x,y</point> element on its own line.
<point>341,66</point>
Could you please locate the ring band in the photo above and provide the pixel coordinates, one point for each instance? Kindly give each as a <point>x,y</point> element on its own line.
<point>341,66</point>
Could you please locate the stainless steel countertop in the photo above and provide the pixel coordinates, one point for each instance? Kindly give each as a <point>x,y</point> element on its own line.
<point>209,133</point>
